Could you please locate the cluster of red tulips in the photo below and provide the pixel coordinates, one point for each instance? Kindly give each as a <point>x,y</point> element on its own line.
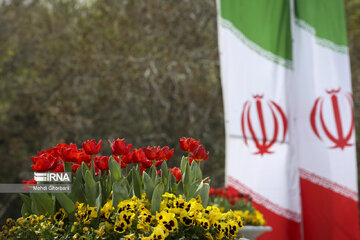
<point>229,193</point>
<point>54,158</point>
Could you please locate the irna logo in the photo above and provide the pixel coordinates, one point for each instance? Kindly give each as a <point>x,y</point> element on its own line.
<point>52,177</point>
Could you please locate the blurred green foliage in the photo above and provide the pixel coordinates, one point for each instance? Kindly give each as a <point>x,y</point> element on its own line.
<point>144,70</point>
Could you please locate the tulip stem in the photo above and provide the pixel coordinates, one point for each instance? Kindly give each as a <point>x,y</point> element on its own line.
<point>67,167</point>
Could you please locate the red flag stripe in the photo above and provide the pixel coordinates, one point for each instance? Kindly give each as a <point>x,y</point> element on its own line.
<point>261,200</point>
<point>326,183</point>
<point>328,214</point>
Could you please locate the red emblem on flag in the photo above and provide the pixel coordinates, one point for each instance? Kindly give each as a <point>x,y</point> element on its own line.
<point>265,111</point>
<point>333,99</point>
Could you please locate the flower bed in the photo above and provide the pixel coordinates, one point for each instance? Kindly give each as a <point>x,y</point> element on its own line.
<point>131,194</point>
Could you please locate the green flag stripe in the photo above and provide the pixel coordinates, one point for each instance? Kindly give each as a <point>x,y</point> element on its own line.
<point>325,19</point>
<point>264,22</point>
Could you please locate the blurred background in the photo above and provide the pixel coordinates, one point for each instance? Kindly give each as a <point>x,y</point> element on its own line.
<point>146,71</point>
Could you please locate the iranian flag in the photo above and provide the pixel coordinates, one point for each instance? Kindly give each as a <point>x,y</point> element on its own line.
<point>290,141</point>
<point>256,57</point>
<point>324,121</point>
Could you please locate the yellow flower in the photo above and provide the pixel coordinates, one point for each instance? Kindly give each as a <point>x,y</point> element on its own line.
<point>127,205</point>
<point>105,211</point>
<point>60,215</point>
<point>120,226</point>
<point>169,222</point>
<point>145,218</point>
<point>185,219</point>
<point>180,202</point>
<point>233,228</point>
<point>9,222</point>
<point>85,229</point>
<point>127,217</point>
<point>204,223</point>
<point>91,212</point>
<point>158,234</point>
<point>169,195</point>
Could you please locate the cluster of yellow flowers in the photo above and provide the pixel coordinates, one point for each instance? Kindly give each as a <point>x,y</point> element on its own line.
<point>252,218</point>
<point>132,219</point>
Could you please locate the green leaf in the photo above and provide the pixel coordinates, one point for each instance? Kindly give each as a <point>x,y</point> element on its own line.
<point>108,185</point>
<point>156,197</point>
<point>196,171</point>
<point>65,202</point>
<point>137,184</point>
<point>98,200</point>
<point>77,187</point>
<point>204,194</point>
<point>149,185</point>
<point>129,176</point>
<point>186,180</point>
<point>26,207</point>
<point>165,175</point>
<point>193,190</point>
<point>42,203</point>
<point>183,163</point>
<point>153,172</point>
<point>180,188</point>
<point>120,191</point>
<point>115,169</point>
<point>90,188</point>
<point>84,168</point>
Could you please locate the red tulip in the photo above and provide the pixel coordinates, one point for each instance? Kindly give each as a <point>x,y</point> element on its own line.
<point>91,147</point>
<point>139,156</point>
<point>212,191</point>
<point>74,167</point>
<point>146,164</point>
<point>44,163</point>
<point>152,153</point>
<point>177,173</point>
<point>102,162</point>
<point>59,167</point>
<point>157,153</point>
<point>167,152</point>
<point>158,163</point>
<point>119,147</point>
<point>96,168</point>
<point>83,157</point>
<point>199,154</point>
<point>127,159</point>
<point>30,182</point>
<point>188,144</point>
<point>70,154</point>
